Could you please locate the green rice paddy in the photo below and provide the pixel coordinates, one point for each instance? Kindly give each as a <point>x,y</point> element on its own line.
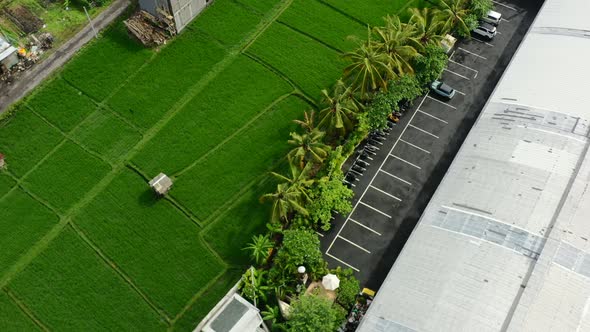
<point>85,244</point>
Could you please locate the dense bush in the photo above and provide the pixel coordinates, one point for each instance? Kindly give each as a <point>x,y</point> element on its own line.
<point>311,313</point>
<point>480,8</point>
<point>430,66</point>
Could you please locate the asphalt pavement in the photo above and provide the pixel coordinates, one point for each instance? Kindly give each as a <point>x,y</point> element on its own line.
<point>404,172</point>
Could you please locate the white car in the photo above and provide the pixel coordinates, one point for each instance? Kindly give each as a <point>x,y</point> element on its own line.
<point>492,17</point>
<point>485,30</point>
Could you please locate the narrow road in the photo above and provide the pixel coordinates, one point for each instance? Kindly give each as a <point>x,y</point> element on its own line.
<point>34,76</point>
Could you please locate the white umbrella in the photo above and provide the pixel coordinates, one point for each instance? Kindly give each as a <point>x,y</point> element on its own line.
<point>330,281</point>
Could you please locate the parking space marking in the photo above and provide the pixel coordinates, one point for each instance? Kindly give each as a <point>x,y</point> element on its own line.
<point>415,146</point>
<point>354,244</point>
<point>461,93</point>
<point>320,234</point>
<point>386,193</point>
<point>474,54</point>
<point>481,41</point>
<point>373,179</point>
<point>505,20</point>
<point>372,208</point>
<point>434,117</point>
<point>341,261</point>
<point>442,102</point>
<point>503,5</point>
<point>424,131</point>
<point>452,72</point>
<point>365,226</point>
<point>462,65</point>
<point>405,161</point>
<point>395,177</point>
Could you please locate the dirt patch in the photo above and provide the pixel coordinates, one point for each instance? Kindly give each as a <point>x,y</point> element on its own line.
<point>23,18</point>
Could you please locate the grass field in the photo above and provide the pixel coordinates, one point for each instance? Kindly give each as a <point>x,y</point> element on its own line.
<point>86,245</point>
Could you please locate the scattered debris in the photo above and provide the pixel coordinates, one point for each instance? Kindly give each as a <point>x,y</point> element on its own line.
<point>14,61</point>
<point>149,29</point>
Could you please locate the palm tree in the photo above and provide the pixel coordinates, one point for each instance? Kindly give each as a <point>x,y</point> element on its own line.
<point>369,69</point>
<point>308,121</point>
<point>339,114</point>
<point>259,248</point>
<point>308,147</point>
<point>453,13</point>
<point>292,193</point>
<point>428,23</point>
<point>286,200</point>
<point>398,41</point>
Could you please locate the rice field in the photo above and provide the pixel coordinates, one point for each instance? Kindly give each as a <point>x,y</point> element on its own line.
<point>86,244</point>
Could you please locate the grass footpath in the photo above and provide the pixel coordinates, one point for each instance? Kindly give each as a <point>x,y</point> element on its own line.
<point>88,246</point>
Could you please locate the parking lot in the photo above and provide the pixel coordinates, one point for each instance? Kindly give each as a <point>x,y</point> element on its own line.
<point>409,164</point>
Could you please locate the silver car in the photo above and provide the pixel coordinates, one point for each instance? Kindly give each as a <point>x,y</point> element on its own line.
<point>485,30</point>
<point>443,90</point>
<point>492,18</point>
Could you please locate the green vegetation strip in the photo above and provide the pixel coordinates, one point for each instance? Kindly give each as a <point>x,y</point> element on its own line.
<point>224,173</point>
<point>12,318</point>
<point>323,23</point>
<point>69,287</point>
<point>235,96</point>
<point>151,241</point>
<point>311,65</point>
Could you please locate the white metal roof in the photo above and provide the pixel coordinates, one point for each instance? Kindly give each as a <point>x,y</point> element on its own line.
<point>5,49</point>
<point>504,242</point>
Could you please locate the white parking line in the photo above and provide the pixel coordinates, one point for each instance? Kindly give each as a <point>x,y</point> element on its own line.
<point>373,179</point>
<point>475,54</point>
<point>415,146</point>
<point>365,226</point>
<point>498,32</point>
<point>405,161</point>
<point>459,92</point>
<point>424,131</point>
<point>386,193</point>
<point>481,41</point>
<point>341,261</point>
<point>452,55</point>
<point>505,20</point>
<point>452,72</point>
<point>354,244</point>
<point>395,177</point>
<point>442,102</point>
<point>372,208</point>
<point>432,116</point>
<point>320,234</point>
<point>503,5</point>
<point>462,65</point>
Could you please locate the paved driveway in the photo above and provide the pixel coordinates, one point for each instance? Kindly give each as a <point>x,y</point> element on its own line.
<point>408,166</point>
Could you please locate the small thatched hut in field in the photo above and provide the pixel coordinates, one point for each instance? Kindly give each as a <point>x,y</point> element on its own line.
<point>161,184</point>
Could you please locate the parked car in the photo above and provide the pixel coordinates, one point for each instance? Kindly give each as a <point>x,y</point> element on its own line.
<point>485,30</point>
<point>442,89</point>
<point>493,18</point>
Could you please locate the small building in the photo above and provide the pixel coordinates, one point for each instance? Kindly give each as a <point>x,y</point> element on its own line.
<point>161,184</point>
<point>234,315</point>
<point>183,11</point>
<point>8,55</point>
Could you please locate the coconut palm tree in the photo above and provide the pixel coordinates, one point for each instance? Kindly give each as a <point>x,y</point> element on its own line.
<point>308,147</point>
<point>300,178</point>
<point>453,13</point>
<point>259,248</point>
<point>398,41</point>
<point>428,24</point>
<point>340,108</point>
<point>308,121</point>
<point>369,69</point>
<point>285,200</point>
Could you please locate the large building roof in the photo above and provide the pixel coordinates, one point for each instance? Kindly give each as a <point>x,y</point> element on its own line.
<point>504,244</point>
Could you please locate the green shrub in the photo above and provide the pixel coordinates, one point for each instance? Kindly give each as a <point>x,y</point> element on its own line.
<point>347,291</point>
<point>328,195</point>
<point>430,66</point>
<point>480,8</point>
<point>311,313</point>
